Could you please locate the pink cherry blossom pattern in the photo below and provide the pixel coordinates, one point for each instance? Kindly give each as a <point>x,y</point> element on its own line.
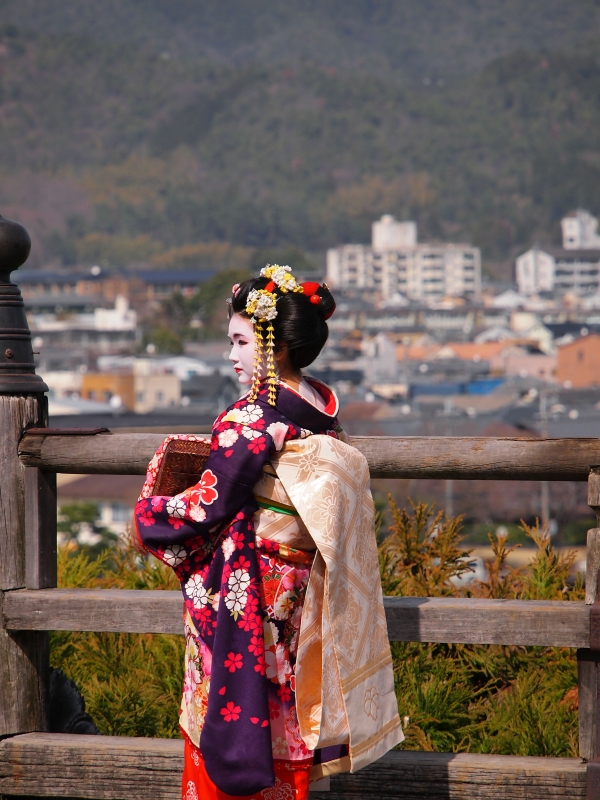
<point>258,445</point>
<point>231,712</point>
<point>233,661</point>
<point>284,692</point>
<point>256,646</point>
<point>241,563</point>
<point>238,539</point>
<point>146,518</point>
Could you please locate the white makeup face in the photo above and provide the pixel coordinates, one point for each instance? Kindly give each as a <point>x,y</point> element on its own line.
<point>241,337</point>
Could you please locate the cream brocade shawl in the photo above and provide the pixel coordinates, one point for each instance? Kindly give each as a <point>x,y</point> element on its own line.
<point>344,675</point>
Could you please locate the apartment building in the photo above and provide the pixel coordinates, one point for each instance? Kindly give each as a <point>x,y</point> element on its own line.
<point>574,268</point>
<point>396,263</point>
<point>580,231</point>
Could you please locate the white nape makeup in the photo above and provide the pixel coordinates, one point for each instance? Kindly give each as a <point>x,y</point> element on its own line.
<point>243,342</point>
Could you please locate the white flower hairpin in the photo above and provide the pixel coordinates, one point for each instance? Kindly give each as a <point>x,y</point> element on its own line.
<point>261,307</point>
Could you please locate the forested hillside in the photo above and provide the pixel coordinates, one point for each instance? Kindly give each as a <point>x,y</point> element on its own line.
<point>117,149</point>
<point>400,39</point>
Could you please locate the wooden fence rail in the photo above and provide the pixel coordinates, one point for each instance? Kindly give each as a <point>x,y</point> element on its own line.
<point>149,769</point>
<point>547,623</point>
<point>468,458</point>
<point>26,760</point>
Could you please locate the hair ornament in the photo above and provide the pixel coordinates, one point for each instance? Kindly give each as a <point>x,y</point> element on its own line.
<point>310,289</point>
<point>261,307</point>
<point>281,277</point>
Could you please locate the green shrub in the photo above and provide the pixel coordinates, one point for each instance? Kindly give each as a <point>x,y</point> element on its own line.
<point>131,682</point>
<point>482,699</point>
<point>453,697</point>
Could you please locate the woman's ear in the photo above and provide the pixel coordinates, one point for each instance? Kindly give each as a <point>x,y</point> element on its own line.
<point>280,351</point>
<point>282,358</point>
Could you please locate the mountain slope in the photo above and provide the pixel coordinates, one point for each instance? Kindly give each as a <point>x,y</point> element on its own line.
<point>396,39</point>
<point>144,154</point>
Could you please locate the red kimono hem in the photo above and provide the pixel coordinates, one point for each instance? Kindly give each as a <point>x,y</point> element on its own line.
<point>291,779</point>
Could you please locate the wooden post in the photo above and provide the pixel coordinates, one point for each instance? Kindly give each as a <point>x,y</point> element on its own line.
<point>40,529</point>
<point>23,654</point>
<point>588,661</point>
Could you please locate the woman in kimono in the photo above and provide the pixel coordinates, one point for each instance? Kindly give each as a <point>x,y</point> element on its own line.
<point>243,555</point>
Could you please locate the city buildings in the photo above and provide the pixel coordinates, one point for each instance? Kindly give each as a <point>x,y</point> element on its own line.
<point>395,264</point>
<point>535,272</point>
<point>101,328</point>
<point>138,285</point>
<point>139,391</point>
<point>580,231</point>
<point>574,268</point>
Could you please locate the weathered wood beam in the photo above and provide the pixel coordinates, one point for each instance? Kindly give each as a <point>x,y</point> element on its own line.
<point>479,458</point>
<point>23,654</point>
<point>405,775</point>
<point>40,529</point>
<point>411,619</point>
<point>588,660</point>
<point>469,458</point>
<point>112,768</point>
<point>127,610</point>
<point>66,765</point>
<point>548,623</point>
<point>104,454</point>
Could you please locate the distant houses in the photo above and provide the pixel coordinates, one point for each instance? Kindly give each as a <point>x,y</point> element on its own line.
<point>578,363</point>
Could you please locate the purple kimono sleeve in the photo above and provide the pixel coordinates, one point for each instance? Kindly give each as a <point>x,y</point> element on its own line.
<point>239,452</point>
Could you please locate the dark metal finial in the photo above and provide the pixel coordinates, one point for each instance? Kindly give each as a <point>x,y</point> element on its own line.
<point>15,246</point>
<point>17,368</point>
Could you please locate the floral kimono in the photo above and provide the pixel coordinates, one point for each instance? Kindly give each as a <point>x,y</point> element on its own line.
<point>243,593</point>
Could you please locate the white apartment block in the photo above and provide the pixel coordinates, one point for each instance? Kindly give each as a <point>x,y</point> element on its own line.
<point>580,231</point>
<point>535,272</point>
<point>573,269</point>
<point>396,263</point>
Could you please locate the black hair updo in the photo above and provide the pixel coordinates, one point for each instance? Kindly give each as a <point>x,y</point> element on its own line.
<point>299,324</point>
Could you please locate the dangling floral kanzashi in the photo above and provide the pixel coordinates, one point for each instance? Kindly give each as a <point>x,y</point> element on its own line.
<point>261,307</point>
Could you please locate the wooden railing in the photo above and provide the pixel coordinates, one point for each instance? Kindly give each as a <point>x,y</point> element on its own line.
<point>34,763</point>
